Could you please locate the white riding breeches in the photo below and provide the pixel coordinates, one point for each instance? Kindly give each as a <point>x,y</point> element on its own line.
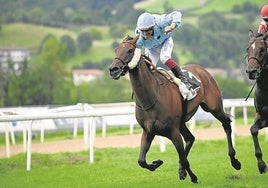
<point>162,52</point>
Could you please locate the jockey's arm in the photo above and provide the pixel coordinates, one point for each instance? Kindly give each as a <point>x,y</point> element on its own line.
<point>176,21</point>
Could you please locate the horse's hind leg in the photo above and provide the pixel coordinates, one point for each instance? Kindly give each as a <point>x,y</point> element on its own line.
<point>226,123</point>
<point>178,143</point>
<point>258,153</point>
<point>189,140</point>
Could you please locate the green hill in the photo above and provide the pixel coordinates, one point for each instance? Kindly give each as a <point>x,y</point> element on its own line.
<point>195,6</point>
<point>27,35</point>
<point>30,36</point>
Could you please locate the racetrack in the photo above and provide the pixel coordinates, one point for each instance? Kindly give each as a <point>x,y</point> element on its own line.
<point>116,141</point>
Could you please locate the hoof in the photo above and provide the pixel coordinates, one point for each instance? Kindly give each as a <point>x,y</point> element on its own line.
<point>182,174</point>
<point>236,164</point>
<point>262,168</point>
<point>194,179</point>
<point>155,165</point>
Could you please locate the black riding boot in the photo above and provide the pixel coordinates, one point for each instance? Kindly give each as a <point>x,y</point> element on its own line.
<point>179,74</point>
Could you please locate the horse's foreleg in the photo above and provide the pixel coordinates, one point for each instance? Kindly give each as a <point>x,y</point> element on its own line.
<point>178,143</point>
<point>226,123</point>
<point>146,141</point>
<point>258,153</point>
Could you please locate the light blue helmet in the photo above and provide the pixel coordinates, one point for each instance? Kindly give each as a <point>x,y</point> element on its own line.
<point>145,21</point>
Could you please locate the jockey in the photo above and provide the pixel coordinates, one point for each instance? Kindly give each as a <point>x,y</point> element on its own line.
<point>263,27</point>
<point>155,36</point>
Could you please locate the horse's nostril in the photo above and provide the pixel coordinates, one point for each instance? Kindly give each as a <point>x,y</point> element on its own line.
<point>113,69</point>
<point>254,71</point>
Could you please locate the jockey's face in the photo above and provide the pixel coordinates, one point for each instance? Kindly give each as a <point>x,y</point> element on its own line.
<point>148,32</point>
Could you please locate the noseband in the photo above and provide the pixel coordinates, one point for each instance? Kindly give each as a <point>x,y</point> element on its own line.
<point>258,61</point>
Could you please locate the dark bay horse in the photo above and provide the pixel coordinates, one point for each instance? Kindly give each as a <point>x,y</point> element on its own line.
<point>257,69</point>
<point>160,109</point>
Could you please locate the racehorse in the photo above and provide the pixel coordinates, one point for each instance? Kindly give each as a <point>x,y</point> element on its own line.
<point>160,109</point>
<point>257,69</point>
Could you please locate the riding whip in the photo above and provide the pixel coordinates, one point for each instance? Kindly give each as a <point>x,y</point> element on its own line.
<point>250,91</point>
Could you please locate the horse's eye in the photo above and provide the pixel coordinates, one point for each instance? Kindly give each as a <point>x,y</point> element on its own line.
<point>261,51</point>
<point>130,51</point>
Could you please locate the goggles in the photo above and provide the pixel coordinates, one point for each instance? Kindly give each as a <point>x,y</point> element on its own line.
<point>147,30</point>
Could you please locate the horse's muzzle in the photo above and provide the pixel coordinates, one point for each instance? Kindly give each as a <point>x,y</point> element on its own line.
<point>253,74</point>
<point>116,72</point>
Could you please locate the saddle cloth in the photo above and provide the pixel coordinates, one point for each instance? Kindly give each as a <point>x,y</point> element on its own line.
<point>186,94</point>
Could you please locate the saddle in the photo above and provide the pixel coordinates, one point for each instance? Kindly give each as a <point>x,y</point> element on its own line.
<point>186,94</point>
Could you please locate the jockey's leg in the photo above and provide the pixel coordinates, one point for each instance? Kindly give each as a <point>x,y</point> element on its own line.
<point>178,73</point>
<point>165,57</point>
<point>153,54</point>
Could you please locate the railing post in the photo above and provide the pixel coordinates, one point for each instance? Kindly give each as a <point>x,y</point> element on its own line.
<point>75,127</point>
<point>86,126</point>
<point>12,135</point>
<point>29,147</point>
<point>7,140</point>
<point>92,139</point>
<point>245,115</point>
<point>24,135</point>
<point>103,127</point>
<point>192,123</point>
<point>42,134</point>
<point>232,112</point>
<point>162,144</point>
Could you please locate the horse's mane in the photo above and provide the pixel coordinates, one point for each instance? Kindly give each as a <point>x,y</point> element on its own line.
<point>259,35</point>
<point>127,38</point>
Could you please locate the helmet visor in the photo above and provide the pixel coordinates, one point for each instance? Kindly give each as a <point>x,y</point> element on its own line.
<point>146,30</point>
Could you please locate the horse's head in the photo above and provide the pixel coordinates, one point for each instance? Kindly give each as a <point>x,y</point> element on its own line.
<point>126,57</point>
<point>256,55</point>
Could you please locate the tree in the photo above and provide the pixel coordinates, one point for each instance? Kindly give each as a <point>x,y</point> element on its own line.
<point>84,41</point>
<point>54,78</point>
<point>117,30</point>
<point>104,90</point>
<point>20,90</point>
<point>232,88</point>
<point>3,85</point>
<point>69,43</point>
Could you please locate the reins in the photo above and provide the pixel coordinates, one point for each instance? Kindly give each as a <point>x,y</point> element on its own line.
<point>254,82</point>
<point>152,66</point>
<point>251,90</point>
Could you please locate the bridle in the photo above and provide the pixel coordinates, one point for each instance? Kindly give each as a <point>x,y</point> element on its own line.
<point>125,67</point>
<point>258,61</point>
<point>261,62</point>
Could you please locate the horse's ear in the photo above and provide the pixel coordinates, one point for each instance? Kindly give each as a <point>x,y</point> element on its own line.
<point>125,38</point>
<point>135,39</point>
<point>251,34</point>
<point>265,36</point>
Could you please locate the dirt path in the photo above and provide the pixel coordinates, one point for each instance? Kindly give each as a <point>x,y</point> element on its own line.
<point>115,141</point>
